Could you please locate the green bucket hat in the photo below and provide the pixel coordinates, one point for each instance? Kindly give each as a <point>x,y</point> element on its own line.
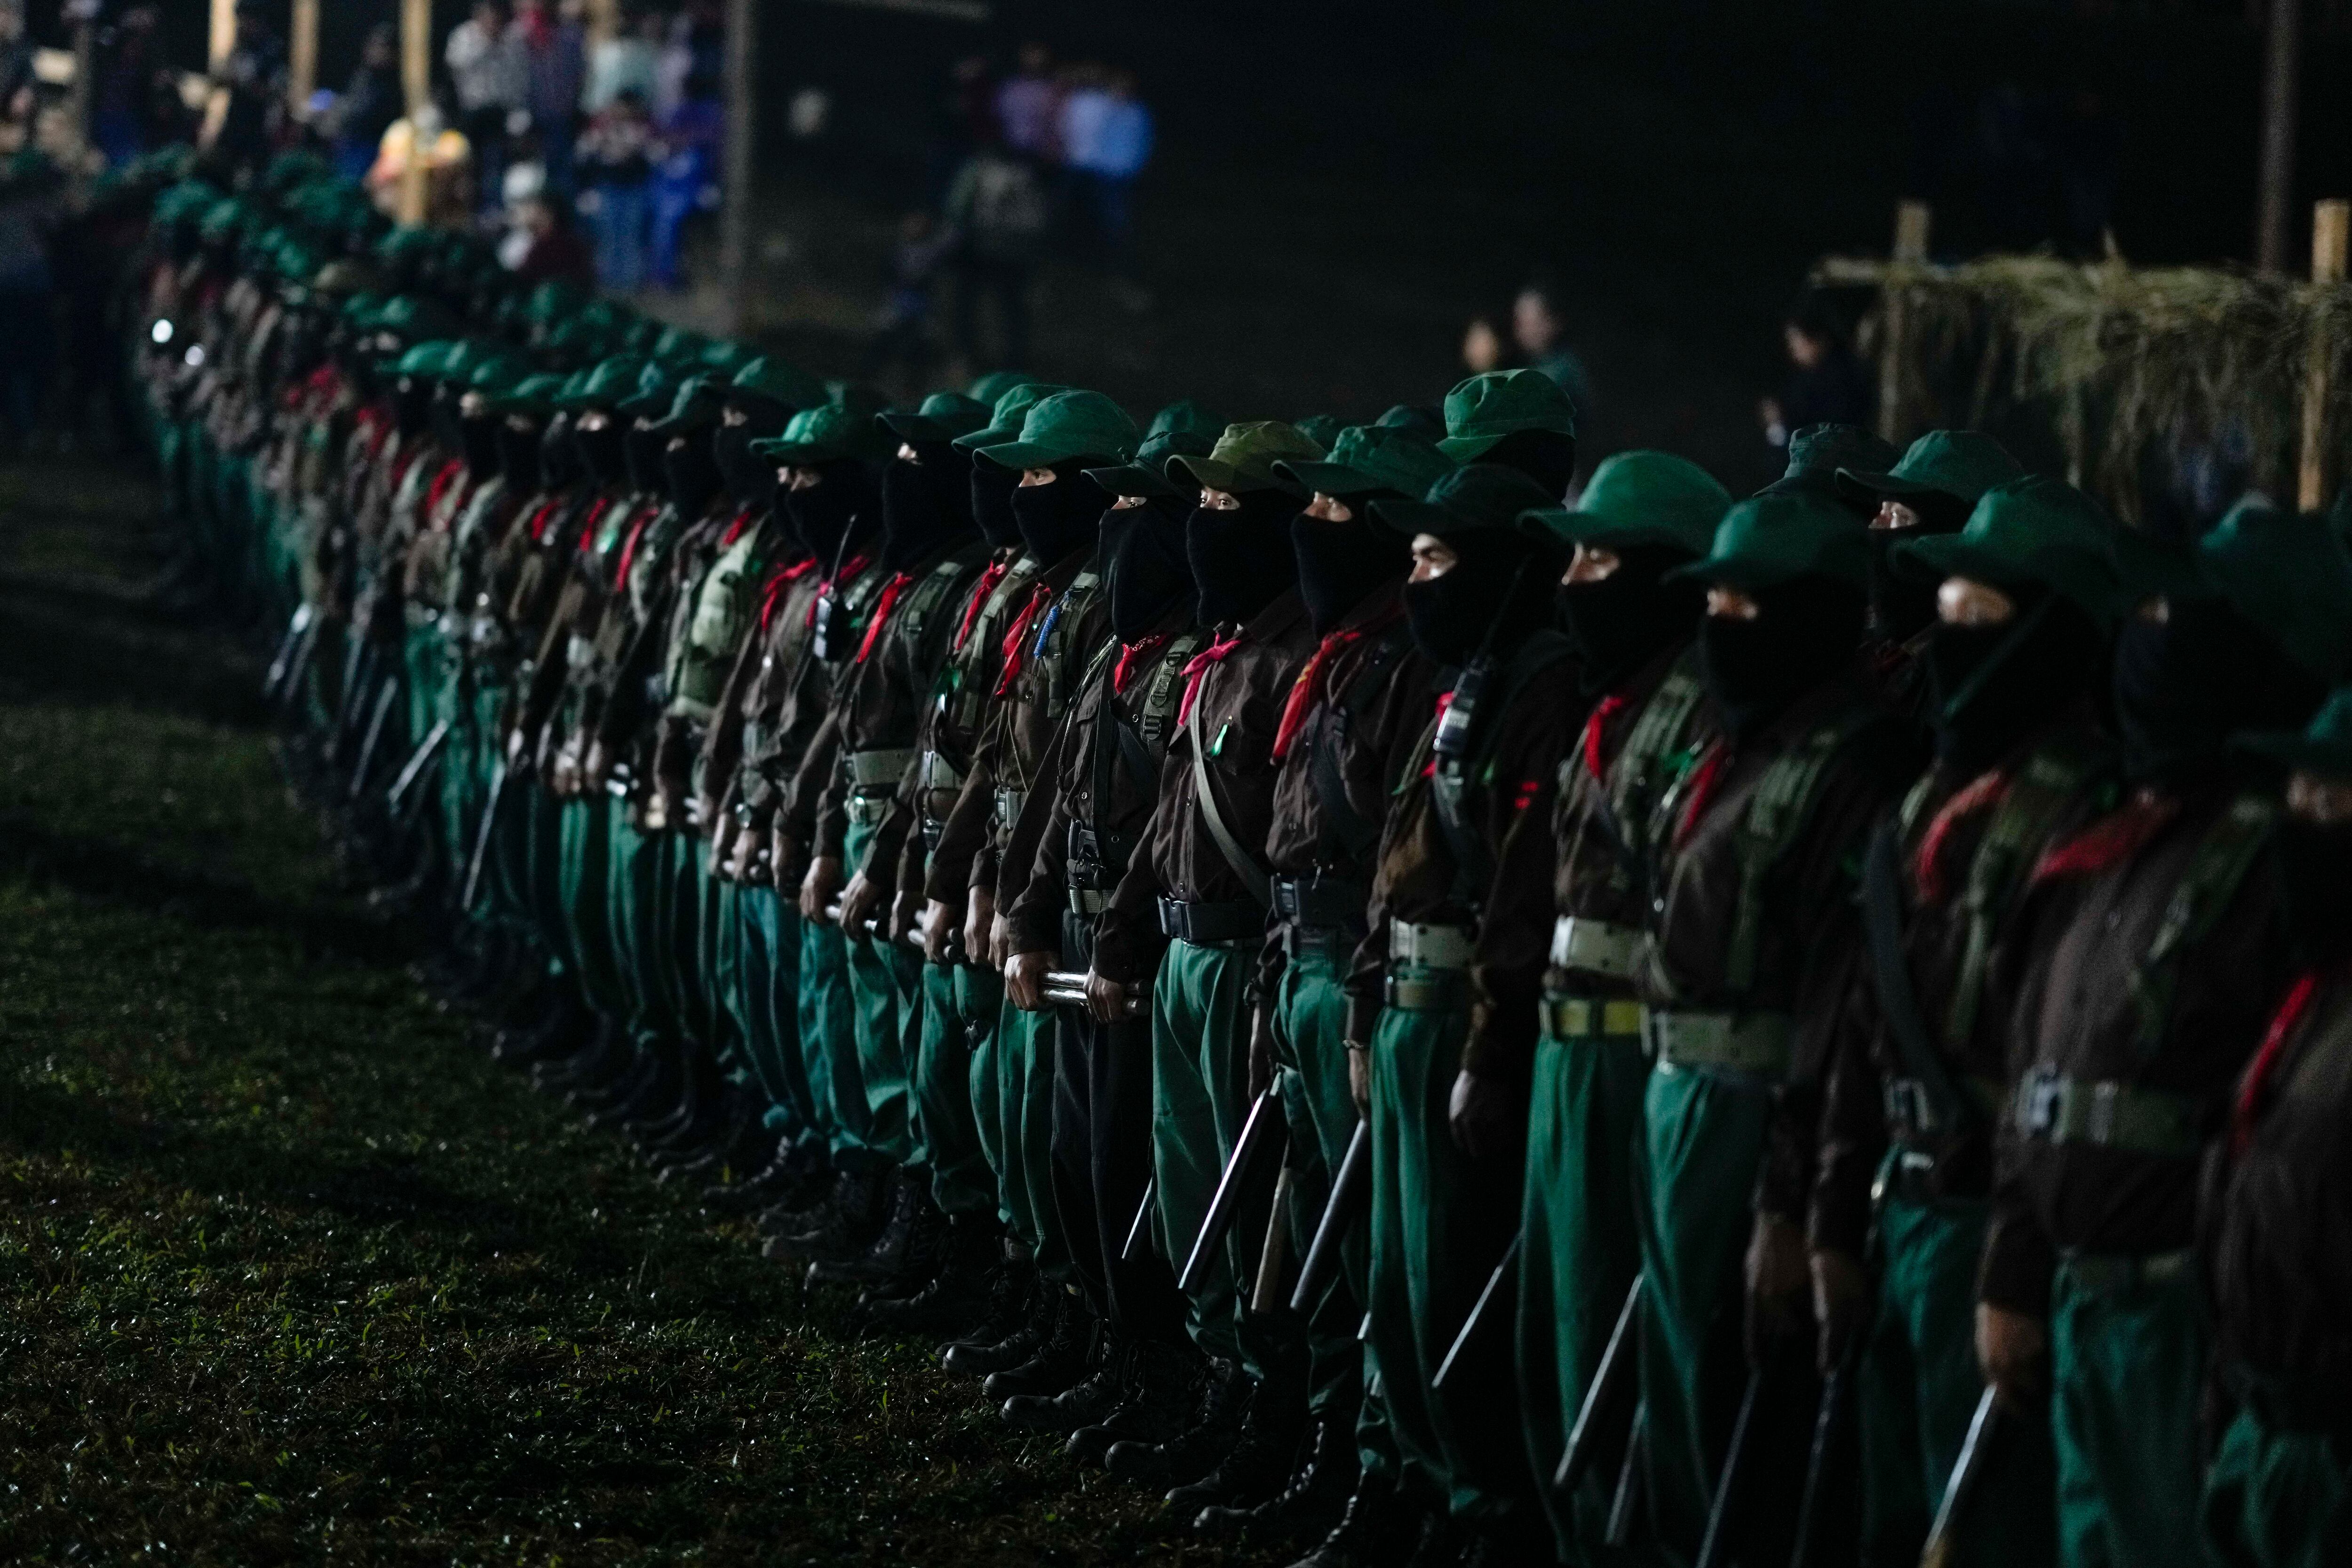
<point>1008,414</point>
<point>1147,476</point>
<point>724,357</point>
<point>943,417</point>
<point>824,434</point>
<point>656,389</point>
<point>551,301</point>
<point>2289,575</point>
<point>2324,746</point>
<point>428,358</point>
<point>1474,496</point>
<point>1185,417</point>
<point>1481,411</point>
<point>1770,539</point>
<point>995,385</point>
<point>1323,429</point>
<point>497,374</point>
<point>1817,452</point>
<point>606,384</point>
<point>1426,423</point>
<point>681,345</point>
<point>694,406</point>
<point>1641,498</point>
<point>779,383</point>
<point>2039,532</point>
<point>1067,427</point>
<point>1961,464</point>
<point>1367,457</point>
<point>534,395</point>
<point>1243,457</point>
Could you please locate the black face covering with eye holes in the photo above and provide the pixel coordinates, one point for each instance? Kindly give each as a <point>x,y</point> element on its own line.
<point>2312,863</point>
<point>836,517</point>
<point>2183,686</point>
<point>692,474</point>
<point>1621,622</point>
<point>992,504</point>
<point>559,455</point>
<point>441,418</point>
<point>518,457</point>
<point>1903,605</point>
<point>1143,547</point>
<point>1059,518</point>
<point>1492,597</point>
<point>601,454</point>
<point>412,405</point>
<point>1991,686</point>
<point>1240,560</point>
<point>1810,629</point>
<point>921,511</point>
<point>480,436</point>
<point>1546,456</point>
<point>750,479</point>
<point>1341,565</point>
<point>641,452</point>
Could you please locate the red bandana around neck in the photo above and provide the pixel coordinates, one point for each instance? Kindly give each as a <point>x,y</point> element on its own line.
<point>887,601</point>
<point>1132,658</point>
<point>1605,710</point>
<point>2255,1089</point>
<point>1197,669</point>
<point>1009,650</point>
<point>989,579</point>
<point>1315,675</point>
<point>1980,793</point>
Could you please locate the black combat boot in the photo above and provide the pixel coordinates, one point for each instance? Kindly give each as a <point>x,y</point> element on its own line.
<point>1378,1529</point>
<point>962,1291</point>
<point>887,1249</point>
<point>1023,1315</point>
<point>1215,1428</point>
<point>1062,1358</point>
<point>1311,1505</point>
<point>925,1255</point>
<point>1162,1394</point>
<point>847,1223</point>
<point>1084,1402</point>
<point>1260,1463</point>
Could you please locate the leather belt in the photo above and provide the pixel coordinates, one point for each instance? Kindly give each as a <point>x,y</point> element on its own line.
<point>939,773</point>
<point>1432,946</point>
<point>1088,900</point>
<point>868,810</point>
<point>1316,901</point>
<point>1615,1019</point>
<point>1596,947</point>
<point>1746,1044</point>
<point>1911,1109</point>
<point>1205,924</point>
<point>2112,1273</point>
<point>885,765</point>
<point>2111,1115</point>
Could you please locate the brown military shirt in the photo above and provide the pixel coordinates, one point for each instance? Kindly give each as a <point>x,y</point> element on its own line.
<point>2101,1001</point>
<point>771,704</point>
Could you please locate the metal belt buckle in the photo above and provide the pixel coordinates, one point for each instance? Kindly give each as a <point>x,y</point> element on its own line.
<point>1907,1109</point>
<point>2038,1100</point>
<point>2100,1123</point>
<point>1285,897</point>
<point>1571,1020</point>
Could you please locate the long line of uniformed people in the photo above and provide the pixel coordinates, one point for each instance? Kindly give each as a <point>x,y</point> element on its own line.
<point>1422,1022</point>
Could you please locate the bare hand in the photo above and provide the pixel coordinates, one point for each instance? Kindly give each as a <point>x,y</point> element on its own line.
<point>978,915</point>
<point>1261,1049</point>
<point>1000,941</point>
<point>1106,999</point>
<point>782,852</point>
<point>937,925</point>
<point>1780,1281</point>
<point>2013,1349</point>
<point>1025,980</point>
<point>1480,1113</point>
<point>1359,1079</point>
<point>597,768</point>
<point>817,889</point>
<point>904,907</point>
<point>1841,1302</point>
<point>859,903</point>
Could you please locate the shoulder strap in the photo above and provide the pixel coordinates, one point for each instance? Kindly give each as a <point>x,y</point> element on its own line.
<point>1474,863</point>
<point>2226,853</point>
<point>1657,751</point>
<point>1777,816</point>
<point>1345,829</point>
<point>1252,875</point>
<point>1890,968</point>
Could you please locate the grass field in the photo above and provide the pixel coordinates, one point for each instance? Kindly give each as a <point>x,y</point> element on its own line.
<point>290,1272</point>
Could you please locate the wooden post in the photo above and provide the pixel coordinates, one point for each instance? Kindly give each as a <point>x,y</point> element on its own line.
<point>2331,239</point>
<point>2282,72</point>
<point>743,124</point>
<point>416,85</point>
<point>1912,220</point>
<point>222,37</point>
<point>302,58</point>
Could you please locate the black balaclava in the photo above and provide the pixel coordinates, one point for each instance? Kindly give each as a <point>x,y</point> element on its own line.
<point>518,457</point>
<point>1144,546</point>
<point>1546,456</point>
<point>1493,595</point>
<point>2183,686</point>
<point>1341,565</point>
<point>692,473</point>
<point>836,514</point>
<point>992,504</point>
<point>1991,686</point>
<point>1809,630</point>
<point>749,478</point>
<point>559,457</point>
<point>2313,861</point>
<point>480,433</point>
<point>1903,605</point>
<point>641,454</point>
<point>926,505</point>
<point>1241,559</point>
<point>442,419</point>
<point>1059,518</point>
<point>601,453</point>
<point>1621,622</point>
<point>412,405</point>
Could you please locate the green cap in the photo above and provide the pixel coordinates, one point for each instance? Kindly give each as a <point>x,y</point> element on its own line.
<point>679,346</point>
<point>1481,411</point>
<point>695,405</point>
<point>995,385</point>
<point>2289,575</point>
<point>1323,429</point>
<point>428,358</point>
<point>2324,746</point>
<point>2041,532</point>
<point>725,357</point>
<point>1641,498</point>
<point>1424,422</point>
<point>1244,459</point>
<point>824,434</point>
<point>1009,413</point>
<point>1770,539</point>
<point>1186,417</point>
<point>1366,457</point>
<point>1066,427</point>
<point>551,301</point>
<point>1148,474</point>
<point>1473,497</point>
<point>656,389</point>
<point>607,384</point>
<point>772,379</point>
<point>535,396</point>
<point>943,417</point>
<point>1817,452</point>
<point>1961,464</point>
<point>496,374</point>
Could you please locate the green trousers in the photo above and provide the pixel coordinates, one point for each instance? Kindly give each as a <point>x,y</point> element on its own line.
<point>585,875</point>
<point>885,995</point>
<point>2126,1365</point>
<point>1918,1389</point>
<point>828,1043</point>
<point>1310,1039</point>
<point>2276,1498</point>
<point>1579,1251</point>
<point>1200,1099</point>
<point>768,955</point>
<point>1023,1060</point>
<point>947,1131</point>
<point>1703,1137</point>
<point>980,998</point>
<point>1440,1223</point>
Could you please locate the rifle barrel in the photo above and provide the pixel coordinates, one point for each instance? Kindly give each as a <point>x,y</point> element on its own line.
<point>1351,1190</point>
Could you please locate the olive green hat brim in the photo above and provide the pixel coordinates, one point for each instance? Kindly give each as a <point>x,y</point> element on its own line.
<point>1857,487</point>
<point>908,426</point>
<point>1208,473</point>
<point>1330,478</point>
<point>1020,455</point>
<point>993,435</point>
<point>1601,533</point>
<point>801,454</point>
<point>1938,557</point>
<point>1132,480</point>
<point>1470,449</point>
